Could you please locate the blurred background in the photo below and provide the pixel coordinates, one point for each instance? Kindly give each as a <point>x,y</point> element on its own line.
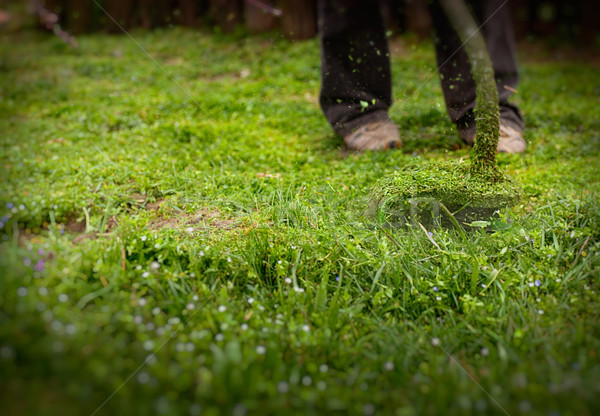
<point>576,21</point>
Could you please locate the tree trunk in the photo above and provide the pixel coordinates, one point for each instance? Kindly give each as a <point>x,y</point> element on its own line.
<point>189,10</point>
<point>227,14</point>
<point>121,11</point>
<point>257,19</point>
<point>298,20</point>
<point>78,16</point>
<point>418,19</point>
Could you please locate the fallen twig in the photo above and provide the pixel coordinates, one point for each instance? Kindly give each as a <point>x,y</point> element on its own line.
<point>265,7</point>
<point>50,21</point>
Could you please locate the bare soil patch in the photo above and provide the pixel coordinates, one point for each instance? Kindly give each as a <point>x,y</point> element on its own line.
<point>205,219</point>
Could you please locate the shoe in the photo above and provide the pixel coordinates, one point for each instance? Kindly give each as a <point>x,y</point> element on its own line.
<point>510,140</point>
<point>377,135</point>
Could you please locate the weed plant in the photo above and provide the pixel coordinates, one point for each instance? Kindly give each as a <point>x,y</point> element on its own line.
<point>189,239</point>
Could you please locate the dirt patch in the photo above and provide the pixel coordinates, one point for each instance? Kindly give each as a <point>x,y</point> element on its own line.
<point>137,200</point>
<point>400,47</point>
<point>205,219</point>
<point>74,225</point>
<point>155,206</point>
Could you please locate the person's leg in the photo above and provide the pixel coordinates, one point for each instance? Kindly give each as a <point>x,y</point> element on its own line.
<point>355,66</point>
<point>455,75</point>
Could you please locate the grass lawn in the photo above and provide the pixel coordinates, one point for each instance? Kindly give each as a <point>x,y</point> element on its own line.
<point>188,238</point>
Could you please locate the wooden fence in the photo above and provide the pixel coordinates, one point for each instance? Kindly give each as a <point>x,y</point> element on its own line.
<point>296,19</point>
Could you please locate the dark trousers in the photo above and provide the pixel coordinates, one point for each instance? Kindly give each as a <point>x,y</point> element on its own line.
<point>356,83</point>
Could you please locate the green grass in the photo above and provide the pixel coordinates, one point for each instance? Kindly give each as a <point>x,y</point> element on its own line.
<point>208,250</point>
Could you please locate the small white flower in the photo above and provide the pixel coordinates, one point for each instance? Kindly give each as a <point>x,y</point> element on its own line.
<point>485,352</point>
<point>195,409</point>
<point>531,284</point>
<point>388,366</point>
<point>323,368</point>
<point>195,298</point>
<point>283,387</point>
<point>142,302</point>
<point>201,253</point>
<point>222,308</point>
<point>438,298</point>
<point>63,297</point>
<point>155,310</point>
<point>190,230</point>
<point>138,267</point>
<point>6,352</point>
<point>154,266</point>
<point>250,300</point>
<point>306,380</point>
<point>540,311</point>
<point>219,337</point>
<point>557,280</point>
<point>261,349</point>
<point>435,341</point>
<point>190,306</point>
<point>368,409</point>
<point>143,238</point>
<point>305,328</point>
<point>279,262</point>
<point>43,291</point>
<point>138,319</point>
<point>244,326</point>
<point>145,274</point>
<point>148,345</point>
<point>22,291</point>
<point>143,377</point>
<point>228,259</point>
<point>298,289</point>
<point>288,280</point>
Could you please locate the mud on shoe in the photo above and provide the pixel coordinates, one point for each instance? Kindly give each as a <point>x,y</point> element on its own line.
<point>377,135</point>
